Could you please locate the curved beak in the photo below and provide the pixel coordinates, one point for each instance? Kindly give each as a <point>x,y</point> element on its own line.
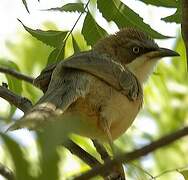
<point>162,52</point>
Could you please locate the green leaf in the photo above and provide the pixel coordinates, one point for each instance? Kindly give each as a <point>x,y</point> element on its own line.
<point>52,58</point>
<point>21,165</point>
<point>70,7</point>
<point>176,17</point>
<point>14,84</point>
<point>185,174</point>
<point>166,3</point>
<point>53,135</point>
<point>51,37</point>
<point>25,4</point>
<point>48,141</point>
<point>91,31</point>
<point>75,45</point>
<point>123,16</point>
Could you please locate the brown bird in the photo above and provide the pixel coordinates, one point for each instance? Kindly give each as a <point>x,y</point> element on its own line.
<point>103,85</point>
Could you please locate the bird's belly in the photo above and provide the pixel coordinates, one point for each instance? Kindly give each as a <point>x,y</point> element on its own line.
<point>120,113</point>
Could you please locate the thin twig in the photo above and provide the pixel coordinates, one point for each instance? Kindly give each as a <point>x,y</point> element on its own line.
<point>22,103</point>
<point>6,172</point>
<point>127,157</point>
<point>16,74</point>
<point>70,32</point>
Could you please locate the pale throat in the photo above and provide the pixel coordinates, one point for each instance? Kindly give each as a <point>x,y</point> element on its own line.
<point>142,68</point>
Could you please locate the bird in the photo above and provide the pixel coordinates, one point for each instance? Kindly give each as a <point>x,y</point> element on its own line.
<point>103,85</point>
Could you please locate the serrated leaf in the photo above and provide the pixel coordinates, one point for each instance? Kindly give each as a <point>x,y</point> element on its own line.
<point>25,4</point>
<point>123,16</point>
<point>70,7</point>
<point>91,31</point>
<point>166,3</point>
<point>51,37</point>
<point>176,17</point>
<point>20,163</point>
<point>185,174</point>
<point>75,45</point>
<point>14,84</point>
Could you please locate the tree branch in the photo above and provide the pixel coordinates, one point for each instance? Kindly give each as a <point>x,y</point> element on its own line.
<point>6,172</point>
<point>101,150</point>
<point>184,24</point>
<point>82,154</point>
<point>16,74</point>
<point>127,157</point>
<point>22,103</point>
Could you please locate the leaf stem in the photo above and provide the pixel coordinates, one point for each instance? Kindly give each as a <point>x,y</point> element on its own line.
<point>70,32</point>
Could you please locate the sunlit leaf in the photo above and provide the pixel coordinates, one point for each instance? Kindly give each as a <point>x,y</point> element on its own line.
<point>70,7</point>
<point>166,3</point>
<point>75,45</point>
<point>25,4</point>
<point>50,37</point>
<point>21,165</point>
<point>91,30</point>
<point>179,63</point>
<point>123,16</point>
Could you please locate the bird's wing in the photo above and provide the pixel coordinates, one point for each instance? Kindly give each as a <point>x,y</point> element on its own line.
<point>101,66</point>
<point>66,86</point>
<point>105,68</point>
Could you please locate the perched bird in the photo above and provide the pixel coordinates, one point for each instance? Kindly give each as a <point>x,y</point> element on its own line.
<point>103,85</point>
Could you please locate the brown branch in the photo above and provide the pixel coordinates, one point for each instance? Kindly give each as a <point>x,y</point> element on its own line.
<point>101,150</point>
<point>127,157</point>
<point>6,172</point>
<point>82,154</point>
<point>184,24</point>
<point>22,103</point>
<point>16,74</point>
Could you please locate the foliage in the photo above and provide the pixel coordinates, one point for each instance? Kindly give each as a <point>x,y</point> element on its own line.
<point>166,98</point>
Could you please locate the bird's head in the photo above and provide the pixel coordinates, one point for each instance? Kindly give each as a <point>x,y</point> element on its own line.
<point>135,50</point>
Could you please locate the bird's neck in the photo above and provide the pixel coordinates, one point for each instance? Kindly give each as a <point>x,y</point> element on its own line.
<point>142,68</point>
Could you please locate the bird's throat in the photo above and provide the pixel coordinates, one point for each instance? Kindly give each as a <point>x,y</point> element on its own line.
<point>142,68</point>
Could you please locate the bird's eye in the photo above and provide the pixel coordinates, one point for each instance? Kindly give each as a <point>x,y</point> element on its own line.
<point>136,49</point>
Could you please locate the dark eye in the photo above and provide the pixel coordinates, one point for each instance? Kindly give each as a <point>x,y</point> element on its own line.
<point>136,49</point>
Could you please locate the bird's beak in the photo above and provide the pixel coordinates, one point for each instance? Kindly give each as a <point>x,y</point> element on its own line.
<point>162,52</point>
